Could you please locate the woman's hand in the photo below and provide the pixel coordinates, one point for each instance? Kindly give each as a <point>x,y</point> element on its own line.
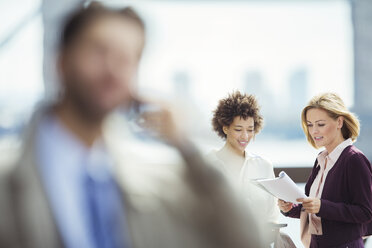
<point>310,204</point>
<point>285,206</point>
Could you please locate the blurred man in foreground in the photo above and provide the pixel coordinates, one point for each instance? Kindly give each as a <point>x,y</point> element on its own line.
<point>68,188</point>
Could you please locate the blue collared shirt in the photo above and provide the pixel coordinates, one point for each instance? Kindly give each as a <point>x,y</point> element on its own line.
<point>63,161</point>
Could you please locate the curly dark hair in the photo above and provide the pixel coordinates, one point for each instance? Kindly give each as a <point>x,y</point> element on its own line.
<point>236,104</point>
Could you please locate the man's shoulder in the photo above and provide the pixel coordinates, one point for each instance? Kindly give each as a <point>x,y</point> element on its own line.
<point>9,155</point>
<point>10,150</point>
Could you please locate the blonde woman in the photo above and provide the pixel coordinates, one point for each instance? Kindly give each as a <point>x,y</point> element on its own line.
<point>338,211</point>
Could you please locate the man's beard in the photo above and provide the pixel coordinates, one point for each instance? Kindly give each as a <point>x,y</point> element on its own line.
<point>84,103</point>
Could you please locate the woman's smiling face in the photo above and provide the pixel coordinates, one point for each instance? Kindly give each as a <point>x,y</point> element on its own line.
<point>239,133</point>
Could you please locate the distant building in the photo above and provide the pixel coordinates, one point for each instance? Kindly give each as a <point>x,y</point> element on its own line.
<point>254,83</point>
<point>298,88</point>
<point>182,84</point>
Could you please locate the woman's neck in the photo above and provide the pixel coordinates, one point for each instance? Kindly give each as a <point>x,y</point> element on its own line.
<point>229,154</point>
<point>228,147</point>
<point>334,144</point>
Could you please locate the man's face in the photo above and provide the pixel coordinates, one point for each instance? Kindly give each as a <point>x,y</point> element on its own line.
<point>98,68</point>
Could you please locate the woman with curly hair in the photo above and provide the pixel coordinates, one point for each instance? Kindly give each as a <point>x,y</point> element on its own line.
<point>237,120</point>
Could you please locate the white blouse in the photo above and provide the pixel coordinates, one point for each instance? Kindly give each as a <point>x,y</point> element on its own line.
<point>254,167</point>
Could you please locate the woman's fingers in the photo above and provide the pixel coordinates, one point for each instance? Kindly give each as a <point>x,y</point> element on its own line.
<point>311,205</point>
<point>285,206</point>
<point>284,203</point>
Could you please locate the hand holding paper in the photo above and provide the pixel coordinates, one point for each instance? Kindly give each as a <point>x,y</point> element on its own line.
<point>311,205</point>
<point>282,187</point>
<point>285,206</point>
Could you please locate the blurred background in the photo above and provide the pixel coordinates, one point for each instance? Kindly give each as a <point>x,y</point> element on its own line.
<point>283,51</point>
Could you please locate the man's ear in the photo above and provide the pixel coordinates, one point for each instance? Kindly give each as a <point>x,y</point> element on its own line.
<point>61,74</point>
<point>60,64</point>
<point>340,122</point>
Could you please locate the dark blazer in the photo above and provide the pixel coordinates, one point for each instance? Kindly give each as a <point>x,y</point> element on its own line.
<point>346,200</point>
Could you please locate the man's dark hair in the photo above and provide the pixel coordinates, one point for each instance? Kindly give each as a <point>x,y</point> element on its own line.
<point>85,16</point>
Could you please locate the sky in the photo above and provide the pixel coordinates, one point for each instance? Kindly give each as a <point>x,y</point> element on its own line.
<point>213,45</point>
<point>217,43</point>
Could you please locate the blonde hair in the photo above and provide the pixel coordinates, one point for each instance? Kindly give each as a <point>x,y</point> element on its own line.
<point>335,107</point>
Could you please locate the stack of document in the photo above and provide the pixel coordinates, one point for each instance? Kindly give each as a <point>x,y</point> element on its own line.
<point>281,187</point>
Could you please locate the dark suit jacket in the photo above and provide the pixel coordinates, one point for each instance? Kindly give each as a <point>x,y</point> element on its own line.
<point>346,200</point>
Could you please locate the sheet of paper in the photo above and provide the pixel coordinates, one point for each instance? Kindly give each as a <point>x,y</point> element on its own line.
<point>282,187</point>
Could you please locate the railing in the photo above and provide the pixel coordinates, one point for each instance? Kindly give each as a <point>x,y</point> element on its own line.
<point>298,174</point>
